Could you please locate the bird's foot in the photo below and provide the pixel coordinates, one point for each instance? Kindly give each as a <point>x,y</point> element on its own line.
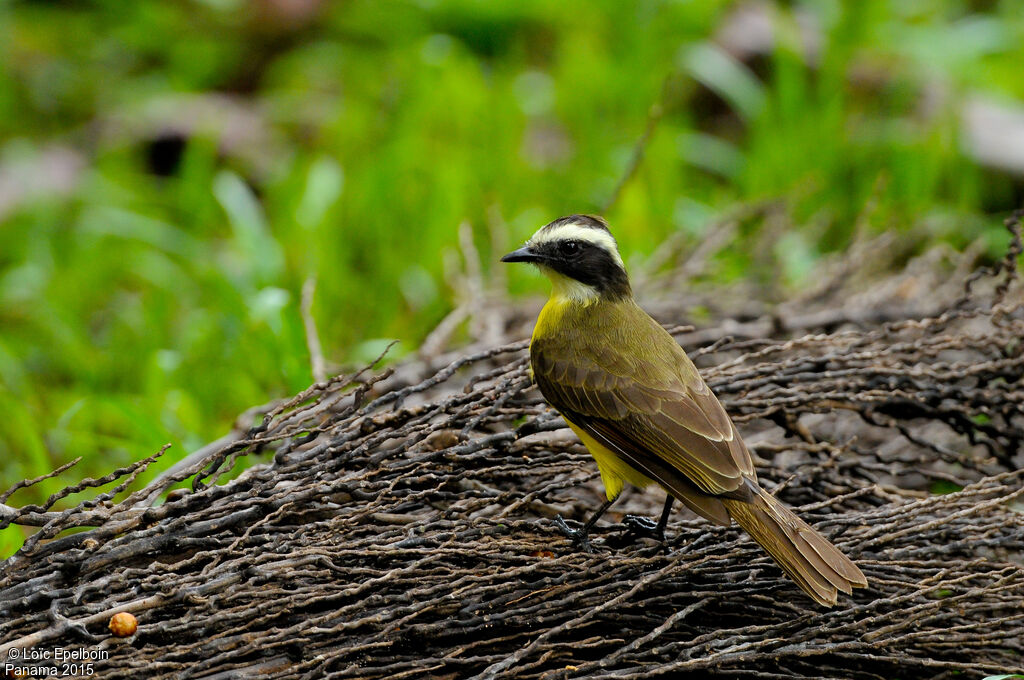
<point>642,527</point>
<point>579,537</point>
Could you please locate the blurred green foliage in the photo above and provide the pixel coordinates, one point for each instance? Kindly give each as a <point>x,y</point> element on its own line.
<point>172,172</point>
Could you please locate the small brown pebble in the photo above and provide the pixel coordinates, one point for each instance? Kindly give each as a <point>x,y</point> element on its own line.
<point>123,624</point>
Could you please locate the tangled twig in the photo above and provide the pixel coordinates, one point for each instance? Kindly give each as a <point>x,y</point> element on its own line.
<point>397,526</point>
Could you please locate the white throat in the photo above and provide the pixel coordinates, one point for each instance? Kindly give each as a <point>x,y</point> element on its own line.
<point>565,289</point>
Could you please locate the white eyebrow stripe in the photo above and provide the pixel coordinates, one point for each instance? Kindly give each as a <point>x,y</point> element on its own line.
<point>575,232</point>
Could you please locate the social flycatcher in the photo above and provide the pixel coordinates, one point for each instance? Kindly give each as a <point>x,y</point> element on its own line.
<point>634,398</point>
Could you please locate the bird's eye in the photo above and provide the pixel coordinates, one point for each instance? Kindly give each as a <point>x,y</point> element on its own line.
<point>569,247</point>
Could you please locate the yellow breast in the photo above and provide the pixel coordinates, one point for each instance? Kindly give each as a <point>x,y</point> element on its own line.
<point>614,471</point>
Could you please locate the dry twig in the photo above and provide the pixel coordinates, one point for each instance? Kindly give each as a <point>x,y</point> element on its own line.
<point>397,525</point>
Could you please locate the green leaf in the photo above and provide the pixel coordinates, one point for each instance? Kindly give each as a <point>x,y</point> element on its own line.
<point>258,256</point>
<point>323,187</point>
<point>720,72</point>
<point>11,540</point>
<point>941,487</point>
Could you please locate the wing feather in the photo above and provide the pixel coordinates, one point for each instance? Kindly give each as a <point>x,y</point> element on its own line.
<point>645,402</point>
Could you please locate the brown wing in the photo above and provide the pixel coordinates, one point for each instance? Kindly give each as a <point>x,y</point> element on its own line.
<point>641,396</point>
<point>627,384</point>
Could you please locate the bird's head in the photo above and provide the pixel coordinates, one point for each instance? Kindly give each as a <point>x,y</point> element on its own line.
<point>580,256</point>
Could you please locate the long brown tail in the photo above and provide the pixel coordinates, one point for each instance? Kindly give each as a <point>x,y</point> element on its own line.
<point>816,565</point>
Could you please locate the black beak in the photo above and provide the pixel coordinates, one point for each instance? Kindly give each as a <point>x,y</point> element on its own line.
<point>524,254</point>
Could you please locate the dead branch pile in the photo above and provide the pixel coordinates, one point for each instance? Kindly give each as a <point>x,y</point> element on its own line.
<point>397,526</point>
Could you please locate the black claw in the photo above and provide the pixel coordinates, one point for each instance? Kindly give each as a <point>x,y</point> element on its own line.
<point>644,527</point>
<point>579,537</point>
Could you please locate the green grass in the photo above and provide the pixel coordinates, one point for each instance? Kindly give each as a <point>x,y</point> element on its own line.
<point>141,308</point>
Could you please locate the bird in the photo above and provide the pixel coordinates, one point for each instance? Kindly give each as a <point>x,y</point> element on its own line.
<point>637,402</point>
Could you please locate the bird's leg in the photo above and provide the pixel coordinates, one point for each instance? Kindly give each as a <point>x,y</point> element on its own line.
<point>580,537</point>
<point>643,526</point>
